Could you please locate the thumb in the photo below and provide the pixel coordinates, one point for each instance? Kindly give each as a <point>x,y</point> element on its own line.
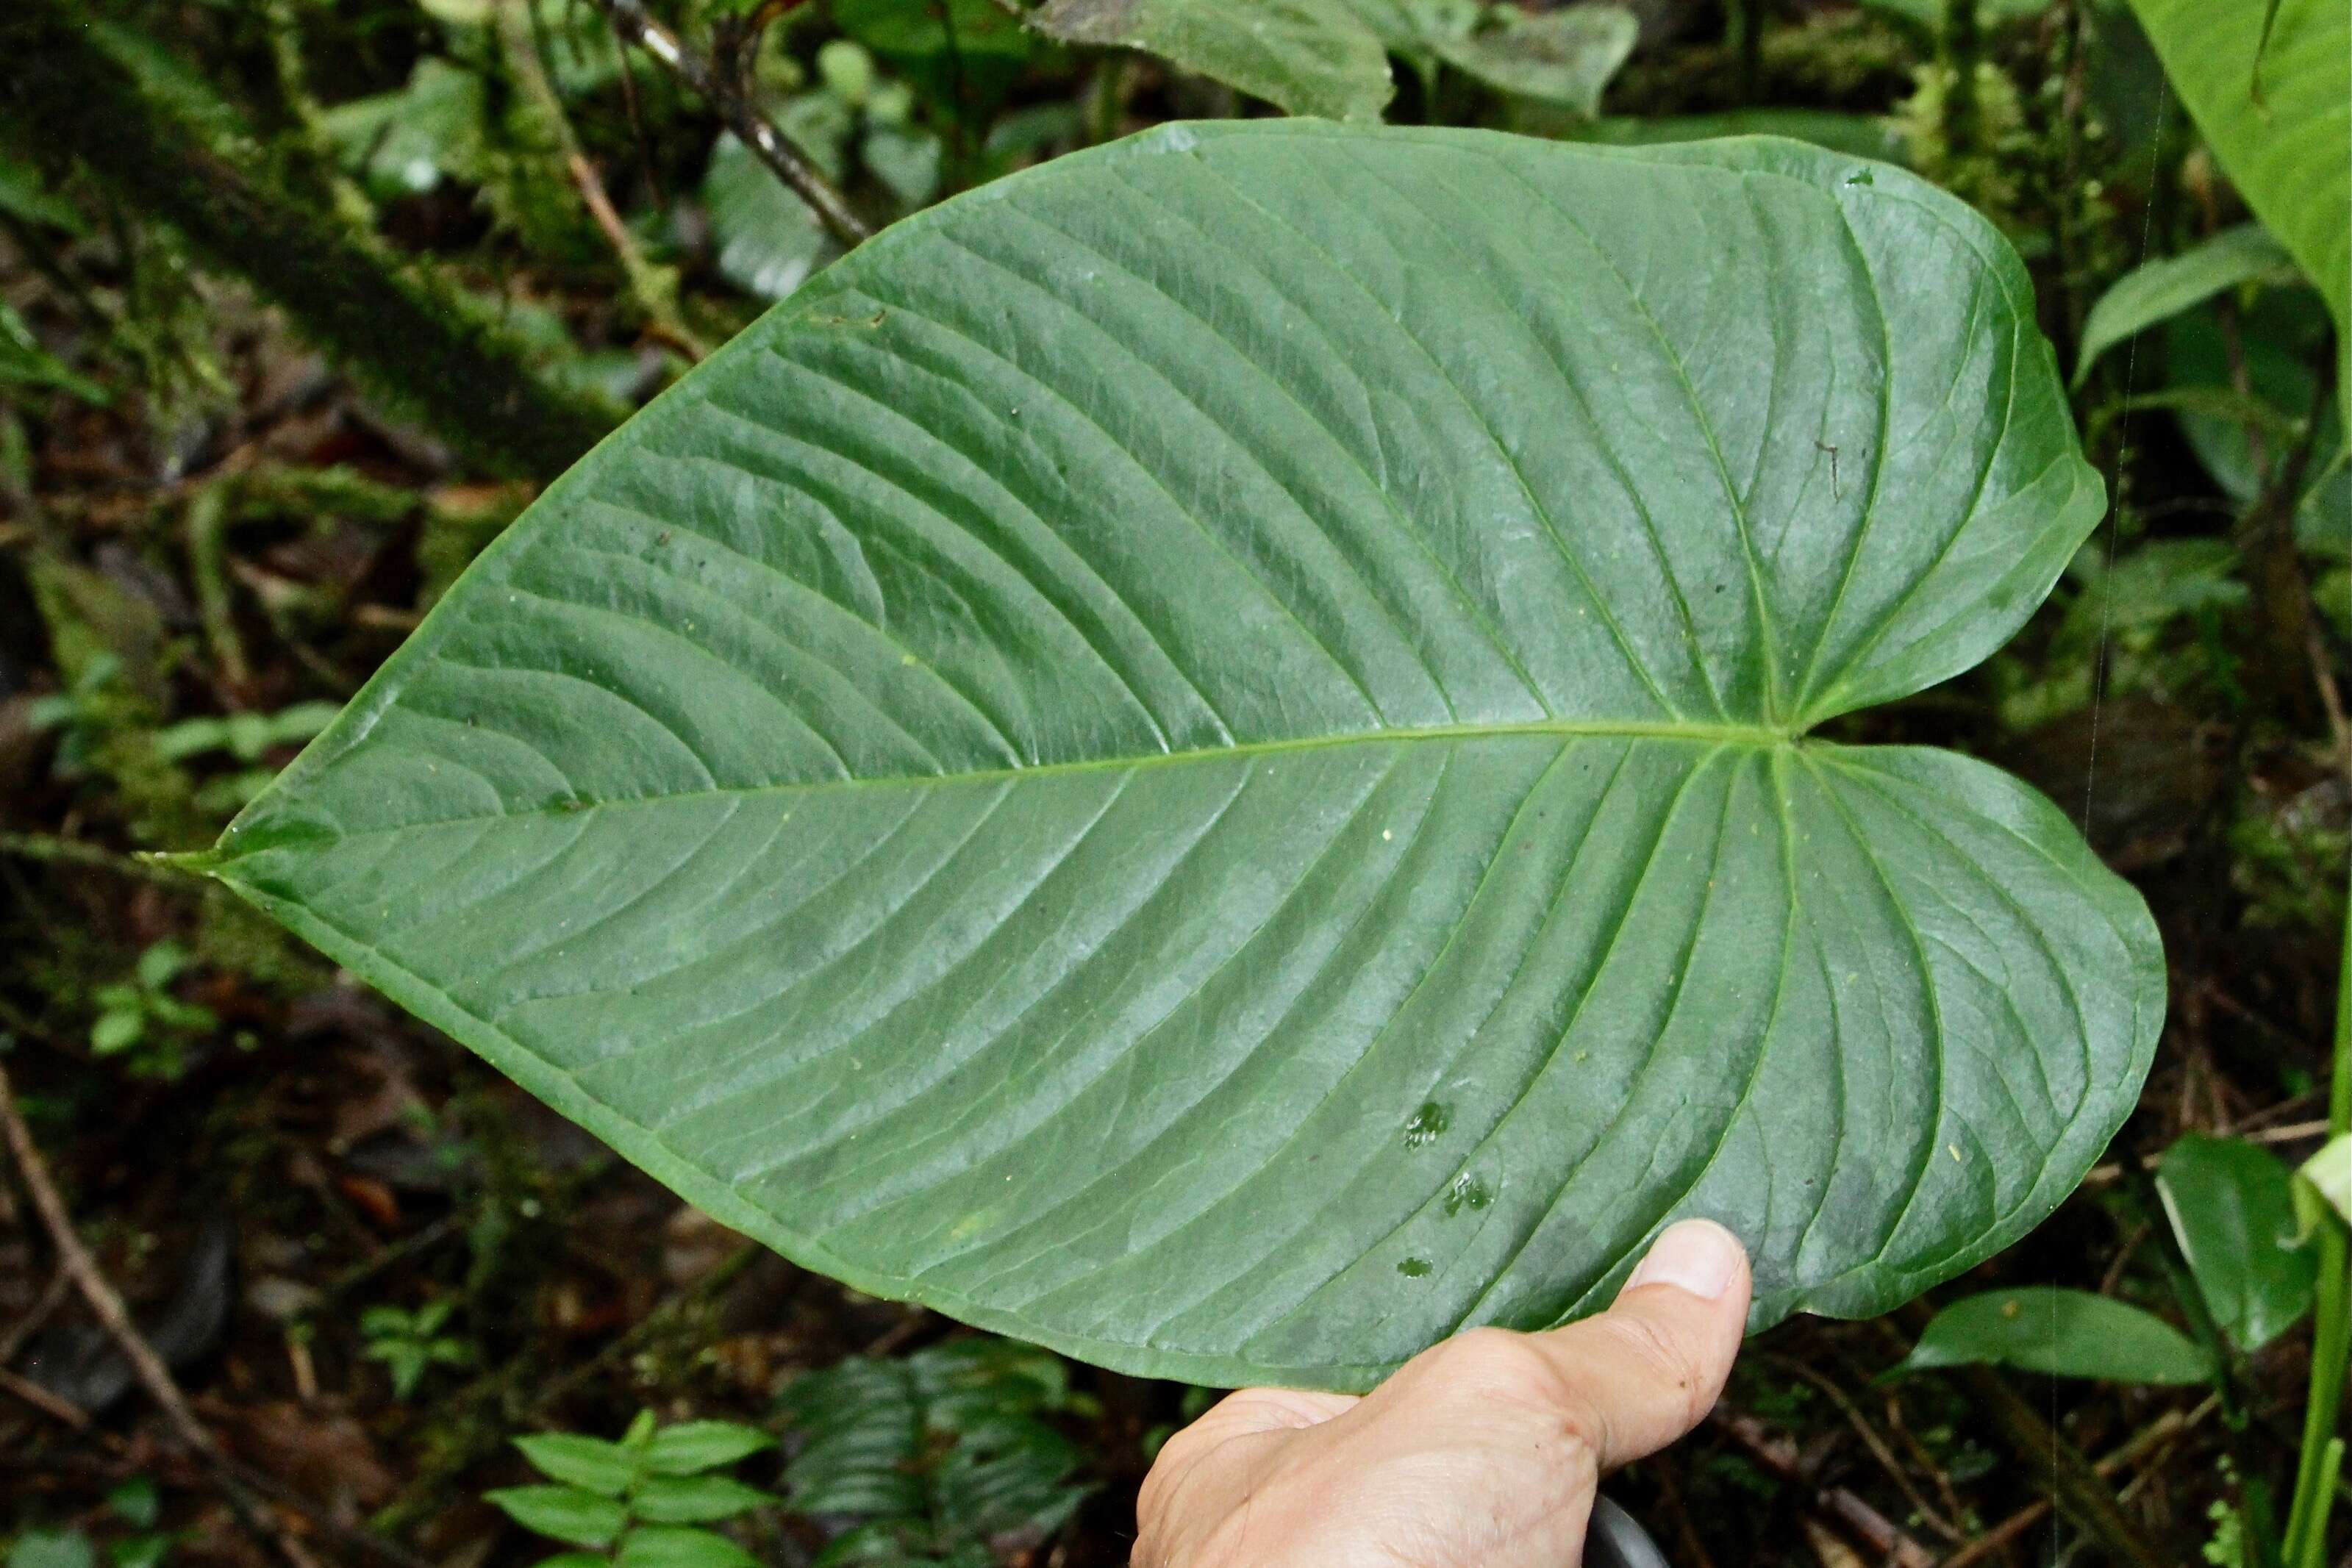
<point>1649,1368</point>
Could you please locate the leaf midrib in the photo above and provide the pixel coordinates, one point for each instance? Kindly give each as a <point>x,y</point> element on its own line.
<point>1758,736</point>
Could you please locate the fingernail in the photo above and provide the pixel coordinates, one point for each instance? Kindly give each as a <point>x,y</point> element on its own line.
<point>1694,1255</point>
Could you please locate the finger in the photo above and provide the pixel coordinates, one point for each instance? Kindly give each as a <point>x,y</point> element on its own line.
<point>1270,1410</point>
<point>1649,1369</point>
<point>1250,1413</point>
<point>1250,1421</point>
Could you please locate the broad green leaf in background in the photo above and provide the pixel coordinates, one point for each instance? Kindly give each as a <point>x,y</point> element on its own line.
<point>405,142</point>
<point>768,241</point>
<point>2070,1333</point>
<point>2231,1205</point>
<point>674,1546</point>
<point>695,1499</point>
<point>1200,755</point>
<point>1308,57</point>
<point>908,29</point>
<point>2279,123</point>
<point>2157,290</point>
<point>52,1549</point>
<point>591,1463</point>
<point>1563,57</point>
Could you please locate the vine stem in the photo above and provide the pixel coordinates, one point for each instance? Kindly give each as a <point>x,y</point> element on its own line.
<point>2322,1456</point>
<point>422,344</point>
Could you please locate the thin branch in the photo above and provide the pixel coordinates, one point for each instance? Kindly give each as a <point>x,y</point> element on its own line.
<point>1875,1443</point>
<point>1888,1543</point>
<point>41,1399</point>
<point>2159,1435</point>
<point>726,92</point>
<point>53,1296</point>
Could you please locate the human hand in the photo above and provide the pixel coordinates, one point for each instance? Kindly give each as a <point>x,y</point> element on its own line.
<point>1480,1452</point>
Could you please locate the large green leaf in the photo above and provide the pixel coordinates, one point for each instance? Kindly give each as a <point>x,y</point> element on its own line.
<point>1309,56</point>
<point>1199,754</point>
<point>2271,91</point>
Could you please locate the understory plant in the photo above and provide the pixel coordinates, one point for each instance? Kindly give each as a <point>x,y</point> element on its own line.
<point>645,1501</point>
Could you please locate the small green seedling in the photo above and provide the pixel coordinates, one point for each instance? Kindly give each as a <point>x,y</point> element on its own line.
<point>411,1343</point>
<point>142,1020</point>
<point>639,1502</point>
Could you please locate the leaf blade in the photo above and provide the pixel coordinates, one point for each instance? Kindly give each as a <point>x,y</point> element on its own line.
<point>2282,146</point>
<point>2156,290</point>
<point>2231,1205</point>
<point>1174,752</point>
<point>2069,1333</point>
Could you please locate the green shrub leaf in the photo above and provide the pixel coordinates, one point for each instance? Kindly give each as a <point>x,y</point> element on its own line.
<point>2071,1334</point>
<point>695,1499</point>
<point>602,1467</point>
<point>2231,1205</point>
<point>666,1546</point>
<point>2160,289</point>
<point>694,1445</point>
<point>1200,755</point>
<point>566,1513</point>
<point>1564,57</point>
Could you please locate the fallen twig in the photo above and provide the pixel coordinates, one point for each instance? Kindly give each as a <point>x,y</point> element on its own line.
<point>53,1296</point>
<point>2165,1429</point>
<point>41,1399</point>
<point>1876,1444</point>
<point>75,1260</point>
<point>725,91</point>
<point>2073,1486</point>
<point>1889,1542</point>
